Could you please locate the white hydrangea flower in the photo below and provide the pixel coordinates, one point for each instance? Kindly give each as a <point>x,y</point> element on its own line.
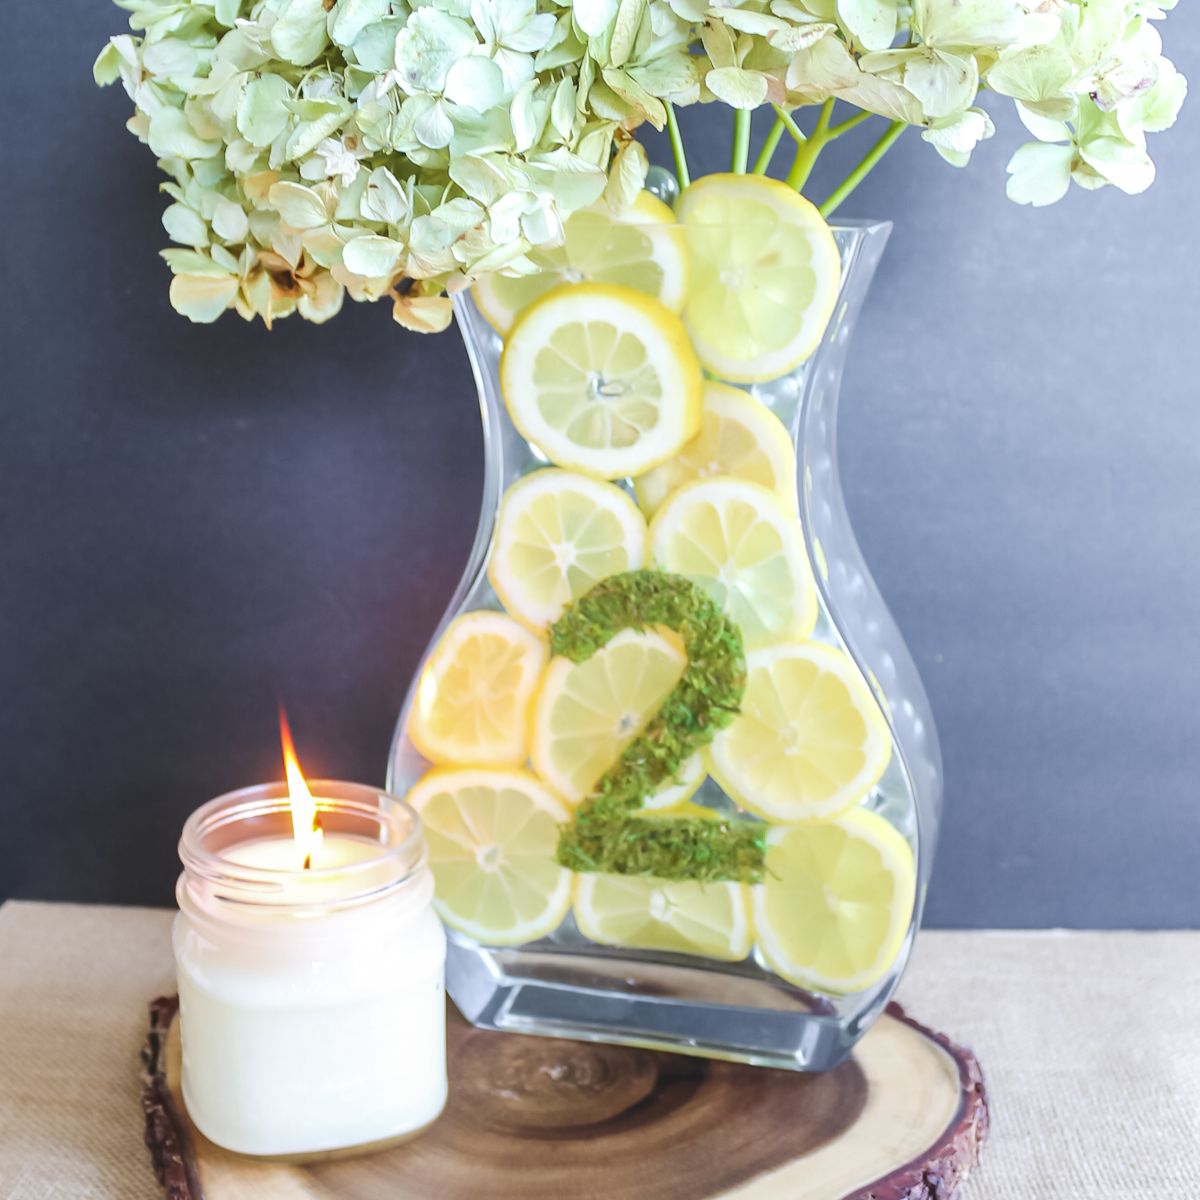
<point>402,148</point>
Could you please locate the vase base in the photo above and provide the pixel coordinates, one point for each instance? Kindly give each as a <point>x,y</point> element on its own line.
<point>732,1011</point>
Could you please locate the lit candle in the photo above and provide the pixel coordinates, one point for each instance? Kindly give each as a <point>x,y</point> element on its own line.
<point>310,967</point>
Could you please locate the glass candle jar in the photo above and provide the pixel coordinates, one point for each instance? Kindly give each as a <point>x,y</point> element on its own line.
<point>312,1008</point>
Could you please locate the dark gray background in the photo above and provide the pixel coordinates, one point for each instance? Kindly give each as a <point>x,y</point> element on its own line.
<point>196,521</point>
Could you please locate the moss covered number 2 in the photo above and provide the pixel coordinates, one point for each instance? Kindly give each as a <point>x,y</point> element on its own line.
<point>609,832</point>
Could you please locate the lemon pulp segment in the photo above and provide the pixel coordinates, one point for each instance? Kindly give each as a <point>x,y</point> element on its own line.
<point>558,534</point>
<point>738,436</point>
<point>585,714</point>
<point>836,901</point>
<point>656,914</point>
<point>473,699</point>
<point>737,541</point>
<point>764,275</point>
<point>602,378</point>
<point>492,838</point>
<point>643,249</point>
<point>675,792</point>
<point>810,741</point>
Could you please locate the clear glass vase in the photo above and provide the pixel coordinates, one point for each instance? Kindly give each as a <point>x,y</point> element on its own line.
<point>566,985</point>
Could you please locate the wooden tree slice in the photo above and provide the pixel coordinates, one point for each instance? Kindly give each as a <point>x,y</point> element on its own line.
<point>532,1118</point>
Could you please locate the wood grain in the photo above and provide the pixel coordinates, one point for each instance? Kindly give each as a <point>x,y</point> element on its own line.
<point>533,1118</point>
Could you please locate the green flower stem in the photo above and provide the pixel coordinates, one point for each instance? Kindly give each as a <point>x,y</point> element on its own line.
<point>681,167</point>
<point>881,147</point>
<point>806,155</point>
<point>790,125</point>
<point>741,140</point>
<point>848,124</point>
<point>763,161</point>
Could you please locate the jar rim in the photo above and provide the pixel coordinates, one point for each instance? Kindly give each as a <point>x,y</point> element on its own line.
<point>264,810</point>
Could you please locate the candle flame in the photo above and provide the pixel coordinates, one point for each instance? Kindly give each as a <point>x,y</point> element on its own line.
<point>306,828</point>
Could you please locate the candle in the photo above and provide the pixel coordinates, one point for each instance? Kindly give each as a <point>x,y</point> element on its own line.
<point>310,967</point>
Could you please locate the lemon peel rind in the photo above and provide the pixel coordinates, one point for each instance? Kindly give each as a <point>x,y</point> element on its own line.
<point>559,901</point>
<point>878,747</point>
<point>556,480</point>
<point>803,606</point>
<point>436,750</point>
<point>678,421</point>
<point>741,940</point>
<point>784,199</point>
<point>895,850</point>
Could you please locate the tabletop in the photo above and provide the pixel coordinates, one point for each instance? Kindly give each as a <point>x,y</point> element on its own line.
<point>1089,1041</point>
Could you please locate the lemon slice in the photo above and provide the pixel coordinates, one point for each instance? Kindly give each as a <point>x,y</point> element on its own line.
<point>738,436</point>
<point>585,714</point>
<point>836,901</point>
<point>738,542</point>
<point>765,273</point>
<point>710,919</point>
<point>643,248</point>
<point>557,536</point>
<point>810,741</point>
<point>492,839</point>
<point>674,793</point>
<point>602,378</point>
<point>473,699</point>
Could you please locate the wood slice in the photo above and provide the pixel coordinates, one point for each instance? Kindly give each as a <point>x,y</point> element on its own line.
<point>532,1118</point>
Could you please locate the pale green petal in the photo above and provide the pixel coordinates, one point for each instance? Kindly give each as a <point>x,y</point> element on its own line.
<point>428,46</point>
<point>190,262</point>
<point>299,34</point>
<point>230,222</point>
<point>827,66</point>
<point>1034,73</point>
<point>375,47</point>
<point>944,83</point>
<point>625,30</point>
<point>955,139</point>
<point>299,206</point>
<point>525,125</point>
<point>872,22</point>
<point>738,88</point>
<point>308,134</point>
<point>107,67</point>
<point>1126,166</point>
<point>373,257</point>
<point>226,12</point>
<point>1045,129</point>
<point>668,75</point>
<point>171,59</point>
<point>1157,109</point>
<point>626,178</point>
<point>202,298</point>
<point>981,23</point>
<point>261,115</point>
<point>325,305</point>
<point>562,109</point>
<point>185,225</point>
<point>594,16</point>
<point>1040,174</point>
<point>172,137</point>
<point>475,82</point>
<point>385,199</point>
<point>350,17</point>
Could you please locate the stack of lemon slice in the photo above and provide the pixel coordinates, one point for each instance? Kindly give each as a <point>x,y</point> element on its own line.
<point>603,370</point>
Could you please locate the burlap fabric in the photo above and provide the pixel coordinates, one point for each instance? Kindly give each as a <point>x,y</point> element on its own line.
<point>1090,1044</point>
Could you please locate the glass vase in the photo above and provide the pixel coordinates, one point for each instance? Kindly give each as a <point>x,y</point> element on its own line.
<point>566,985</point>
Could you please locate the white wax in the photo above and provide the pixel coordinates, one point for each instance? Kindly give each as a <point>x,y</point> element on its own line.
<point>279,854</point>
<point>316,1032</point>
